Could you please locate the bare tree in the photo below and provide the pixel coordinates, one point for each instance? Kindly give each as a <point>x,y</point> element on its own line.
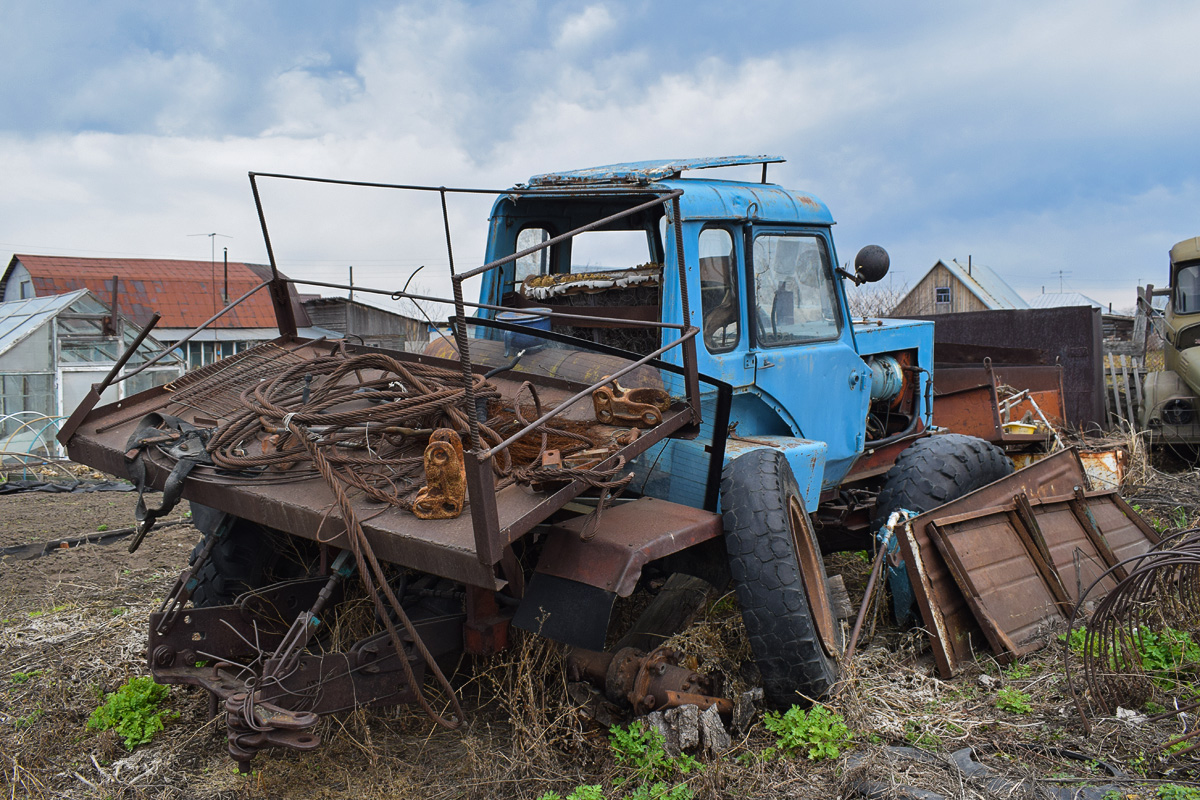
<point>875,299</point>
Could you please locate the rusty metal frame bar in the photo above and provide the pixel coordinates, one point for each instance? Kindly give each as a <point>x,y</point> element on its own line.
<point>192,333</point>
<point>568,317</point>
<point>480,478</point>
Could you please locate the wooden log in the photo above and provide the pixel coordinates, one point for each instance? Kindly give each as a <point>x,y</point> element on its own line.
<point>672,610</point>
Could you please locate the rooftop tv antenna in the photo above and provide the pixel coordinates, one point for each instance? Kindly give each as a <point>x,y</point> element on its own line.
<point>212,238</point>
<point>1061,274</point>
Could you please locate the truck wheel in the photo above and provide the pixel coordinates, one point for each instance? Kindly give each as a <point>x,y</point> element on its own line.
<point>779,577</point>
<point>936,470</point>
<point>250,556</point>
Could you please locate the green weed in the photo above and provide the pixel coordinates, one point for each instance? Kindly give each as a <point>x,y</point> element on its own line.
<point>1013,701</point>
<point>818,732</point>
<point>133,711</point>
<point>926,740</point>
<point>591,791</point>
<point>28,720</point>
<point>101,527</point>
<point>24,677</point>
<point>1171,791</point>
<point>1019,672</point>
<point>640,748</point>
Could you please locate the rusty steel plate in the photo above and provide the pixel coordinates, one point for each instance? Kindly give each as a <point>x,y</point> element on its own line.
<point>609,554</point>
<point>999,577</point>
<point>953,632</point>
<point>997,565</point>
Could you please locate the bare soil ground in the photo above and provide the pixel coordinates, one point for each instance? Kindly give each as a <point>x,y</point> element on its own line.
<point>72,627</point>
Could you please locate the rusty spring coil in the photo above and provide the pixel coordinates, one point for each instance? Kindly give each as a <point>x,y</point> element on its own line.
<point>1160,593</point>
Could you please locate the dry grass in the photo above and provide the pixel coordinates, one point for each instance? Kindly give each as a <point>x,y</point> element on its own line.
<point>529,731</point>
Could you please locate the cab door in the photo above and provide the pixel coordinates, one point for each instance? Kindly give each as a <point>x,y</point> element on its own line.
<point>722,348</point>
<point>806,366</point>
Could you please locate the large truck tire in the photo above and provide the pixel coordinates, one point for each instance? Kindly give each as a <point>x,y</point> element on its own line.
<point>249,556</point>
<point>779,578</point>
<point>936,470</point>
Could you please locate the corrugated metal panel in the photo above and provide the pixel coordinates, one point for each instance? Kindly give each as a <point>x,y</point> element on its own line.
<point>1062,300</point>
<point>186,293</point>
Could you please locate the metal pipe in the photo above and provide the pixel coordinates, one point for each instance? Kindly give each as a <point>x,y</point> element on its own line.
<point>544,418</point>
<point>285,318</point>
<point>464,190</point>
<point>402,295</point>
<point>460,335</point>
<point>876,569</point>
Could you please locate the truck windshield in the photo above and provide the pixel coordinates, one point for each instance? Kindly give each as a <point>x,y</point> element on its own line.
<point>794,294</point>
<point>1187,290</point>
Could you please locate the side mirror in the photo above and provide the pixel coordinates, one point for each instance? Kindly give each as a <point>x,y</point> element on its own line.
<point>871,264</point>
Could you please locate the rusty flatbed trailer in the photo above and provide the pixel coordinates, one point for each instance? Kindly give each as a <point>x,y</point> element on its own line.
<point>464,549</point>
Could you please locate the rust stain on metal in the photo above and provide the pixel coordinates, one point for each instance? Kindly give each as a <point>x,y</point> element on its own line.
<point>645,682</point>
<point>626,538</point>
<point>1106,470</point>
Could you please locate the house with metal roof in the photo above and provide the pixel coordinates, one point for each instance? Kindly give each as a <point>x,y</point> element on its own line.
<point>185,293</point>
<point>52,349</point>
<point>950,287</point>
<point>1062,300</point>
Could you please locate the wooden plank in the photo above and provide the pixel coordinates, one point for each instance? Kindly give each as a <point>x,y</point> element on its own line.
<point>1128,392</point>
<point>1138,366</point>
<point>1118,412</point>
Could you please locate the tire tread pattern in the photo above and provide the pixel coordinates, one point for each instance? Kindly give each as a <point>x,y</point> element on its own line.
<point>936,470</point>
<point>768,580</point>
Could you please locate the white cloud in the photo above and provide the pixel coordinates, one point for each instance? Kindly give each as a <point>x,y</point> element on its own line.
<point>583,29</point>
<point>1023,135</point>
<point>185,90</point>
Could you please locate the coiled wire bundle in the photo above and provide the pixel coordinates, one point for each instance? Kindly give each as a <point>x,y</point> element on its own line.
<point>1142,641</point>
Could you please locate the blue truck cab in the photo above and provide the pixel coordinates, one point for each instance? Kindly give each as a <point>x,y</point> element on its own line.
<point>839,398</point>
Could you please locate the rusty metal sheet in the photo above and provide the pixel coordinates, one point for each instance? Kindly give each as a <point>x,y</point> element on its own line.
<point>953,630</point>
<point>303,506</point>
<point>610,554</point>
<point>1105,469</point>
<point>969,399</point>
<point>992,567</point>
<point>1068,336</point>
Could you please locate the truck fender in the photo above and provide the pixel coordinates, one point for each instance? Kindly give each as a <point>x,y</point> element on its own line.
<point>805,456</point>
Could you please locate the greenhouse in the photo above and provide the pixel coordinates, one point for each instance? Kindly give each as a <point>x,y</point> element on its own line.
<point>52,349</point>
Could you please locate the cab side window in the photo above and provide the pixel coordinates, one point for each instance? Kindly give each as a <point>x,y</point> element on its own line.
<point>718,290</point>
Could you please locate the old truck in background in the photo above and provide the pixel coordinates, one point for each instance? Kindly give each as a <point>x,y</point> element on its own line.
<point>1170,411</point>
<point>661,375</point>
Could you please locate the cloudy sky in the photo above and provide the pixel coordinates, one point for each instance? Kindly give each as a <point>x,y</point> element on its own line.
<point>1035,137</point>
